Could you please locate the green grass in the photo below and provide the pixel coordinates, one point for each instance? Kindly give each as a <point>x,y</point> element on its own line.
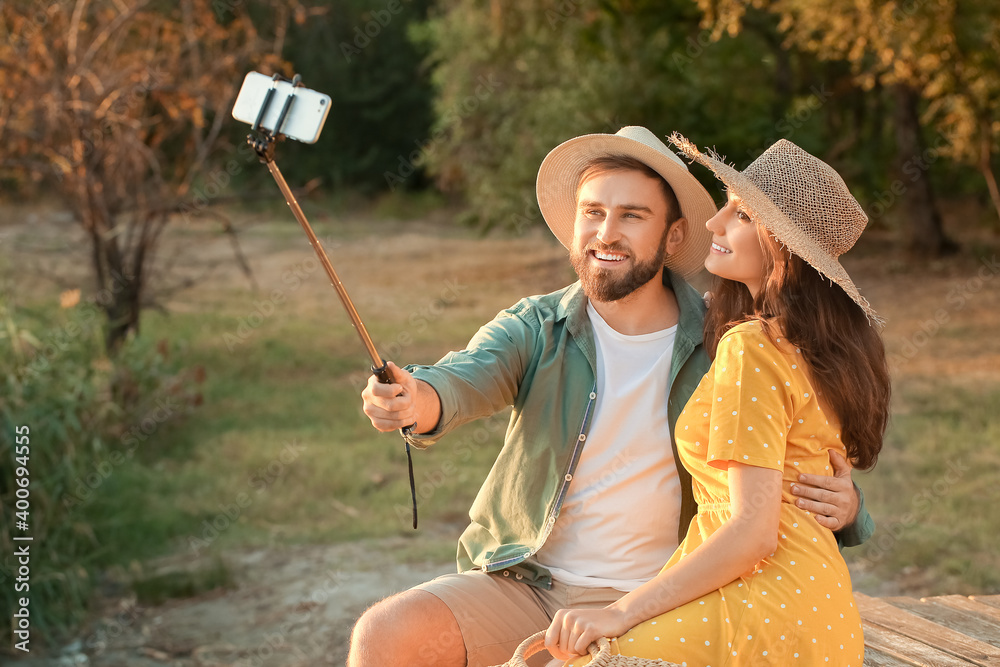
<point>933,493</point>
<point>277,451</point>
<point>157,588</point>
<point>281,436</point>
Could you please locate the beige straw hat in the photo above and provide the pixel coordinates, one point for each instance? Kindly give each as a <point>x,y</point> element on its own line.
<point>559,176</point>
<point>801,200</point>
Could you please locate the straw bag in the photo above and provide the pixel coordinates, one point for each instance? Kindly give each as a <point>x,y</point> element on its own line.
<point>600,654</point>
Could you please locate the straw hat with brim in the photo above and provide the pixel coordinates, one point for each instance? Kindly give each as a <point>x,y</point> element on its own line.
<point>801,200</point>
<point>559,177</point>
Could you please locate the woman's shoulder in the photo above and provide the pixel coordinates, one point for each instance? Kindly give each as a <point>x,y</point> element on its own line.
<point>750,331</point>
<point>752,336</point>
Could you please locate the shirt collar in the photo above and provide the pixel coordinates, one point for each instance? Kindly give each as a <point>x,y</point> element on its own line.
<point>573,308</point>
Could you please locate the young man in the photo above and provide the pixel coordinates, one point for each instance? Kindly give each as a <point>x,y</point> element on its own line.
<point>586,500</point>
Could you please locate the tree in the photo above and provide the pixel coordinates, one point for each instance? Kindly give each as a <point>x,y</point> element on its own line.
<point>517,79</point>
<point>966,102</point>
<point>360,54</point>
<point>503,99</point>
<point>117,108</point>
<point>943,53</point>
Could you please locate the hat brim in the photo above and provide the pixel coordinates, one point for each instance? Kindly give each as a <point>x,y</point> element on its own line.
<point>559,175</point>
<point>764,212</point>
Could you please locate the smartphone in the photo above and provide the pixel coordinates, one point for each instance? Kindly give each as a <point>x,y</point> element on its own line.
<point>306,114</point>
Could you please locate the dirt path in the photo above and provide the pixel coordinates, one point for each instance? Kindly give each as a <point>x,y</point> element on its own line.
<point>287,607</point>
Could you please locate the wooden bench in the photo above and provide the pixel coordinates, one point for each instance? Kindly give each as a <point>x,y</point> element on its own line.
<point>950,630</point>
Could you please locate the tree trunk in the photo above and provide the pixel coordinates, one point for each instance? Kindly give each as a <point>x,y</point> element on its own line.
<point>985,163</point>
<point>923,232</point>
<point>119,289</point>
<point>122,306</point>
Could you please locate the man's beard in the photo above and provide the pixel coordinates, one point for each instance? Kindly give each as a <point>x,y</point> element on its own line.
<point>610,285</point>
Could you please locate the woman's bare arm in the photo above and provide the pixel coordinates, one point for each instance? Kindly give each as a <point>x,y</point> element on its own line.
<point>750,535</point>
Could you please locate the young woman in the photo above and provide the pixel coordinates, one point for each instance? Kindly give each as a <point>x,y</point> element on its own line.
<point>799,376</point>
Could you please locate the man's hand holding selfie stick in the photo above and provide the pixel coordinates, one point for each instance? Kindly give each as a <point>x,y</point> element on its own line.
<point>405,402</point>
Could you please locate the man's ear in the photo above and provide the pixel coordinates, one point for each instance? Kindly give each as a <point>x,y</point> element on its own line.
<point>675,235</point>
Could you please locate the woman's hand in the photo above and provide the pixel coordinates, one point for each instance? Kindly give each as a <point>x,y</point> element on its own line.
<point>573,630</point>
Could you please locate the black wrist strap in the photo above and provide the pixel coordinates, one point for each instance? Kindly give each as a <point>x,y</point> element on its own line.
<point>413,485</point>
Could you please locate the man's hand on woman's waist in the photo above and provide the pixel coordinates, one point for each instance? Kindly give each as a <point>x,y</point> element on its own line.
<point>833,500</point>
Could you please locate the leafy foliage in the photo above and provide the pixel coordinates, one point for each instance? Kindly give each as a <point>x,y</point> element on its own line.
<point>946,50</point>
<point>733,74</point>
<point>571,68</point>
<point>360,54</point>
<point>87,418</point>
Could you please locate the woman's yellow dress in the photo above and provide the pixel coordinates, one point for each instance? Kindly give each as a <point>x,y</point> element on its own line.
<point>757,406</point>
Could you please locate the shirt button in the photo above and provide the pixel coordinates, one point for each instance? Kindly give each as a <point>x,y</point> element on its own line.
<point>568,477</point>
<point>506,573</point>
<point>519,575</point>
<point>583,436</point>
<point>593,395</point>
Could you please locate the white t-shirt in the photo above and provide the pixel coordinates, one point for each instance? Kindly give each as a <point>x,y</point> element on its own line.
<point>618,525</point>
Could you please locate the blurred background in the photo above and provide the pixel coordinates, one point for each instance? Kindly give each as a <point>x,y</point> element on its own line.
<point>204,486</point>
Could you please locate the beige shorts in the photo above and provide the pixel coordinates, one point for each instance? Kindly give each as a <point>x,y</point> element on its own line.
<point>496,612</point>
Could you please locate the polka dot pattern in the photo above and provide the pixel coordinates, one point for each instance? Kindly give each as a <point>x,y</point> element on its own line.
<point>796,606</point>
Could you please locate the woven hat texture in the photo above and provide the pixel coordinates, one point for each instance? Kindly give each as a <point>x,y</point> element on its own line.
<point>801,200</point>
<point>559,176</point>
<point>600,653</point>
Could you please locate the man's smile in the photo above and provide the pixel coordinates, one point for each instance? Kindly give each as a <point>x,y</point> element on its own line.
<point>608,255</point>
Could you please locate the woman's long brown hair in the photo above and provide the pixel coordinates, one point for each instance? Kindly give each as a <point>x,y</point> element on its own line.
<point>845,354</point>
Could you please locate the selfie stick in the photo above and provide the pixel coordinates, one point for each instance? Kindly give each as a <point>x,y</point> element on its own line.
<point>263,141</point>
